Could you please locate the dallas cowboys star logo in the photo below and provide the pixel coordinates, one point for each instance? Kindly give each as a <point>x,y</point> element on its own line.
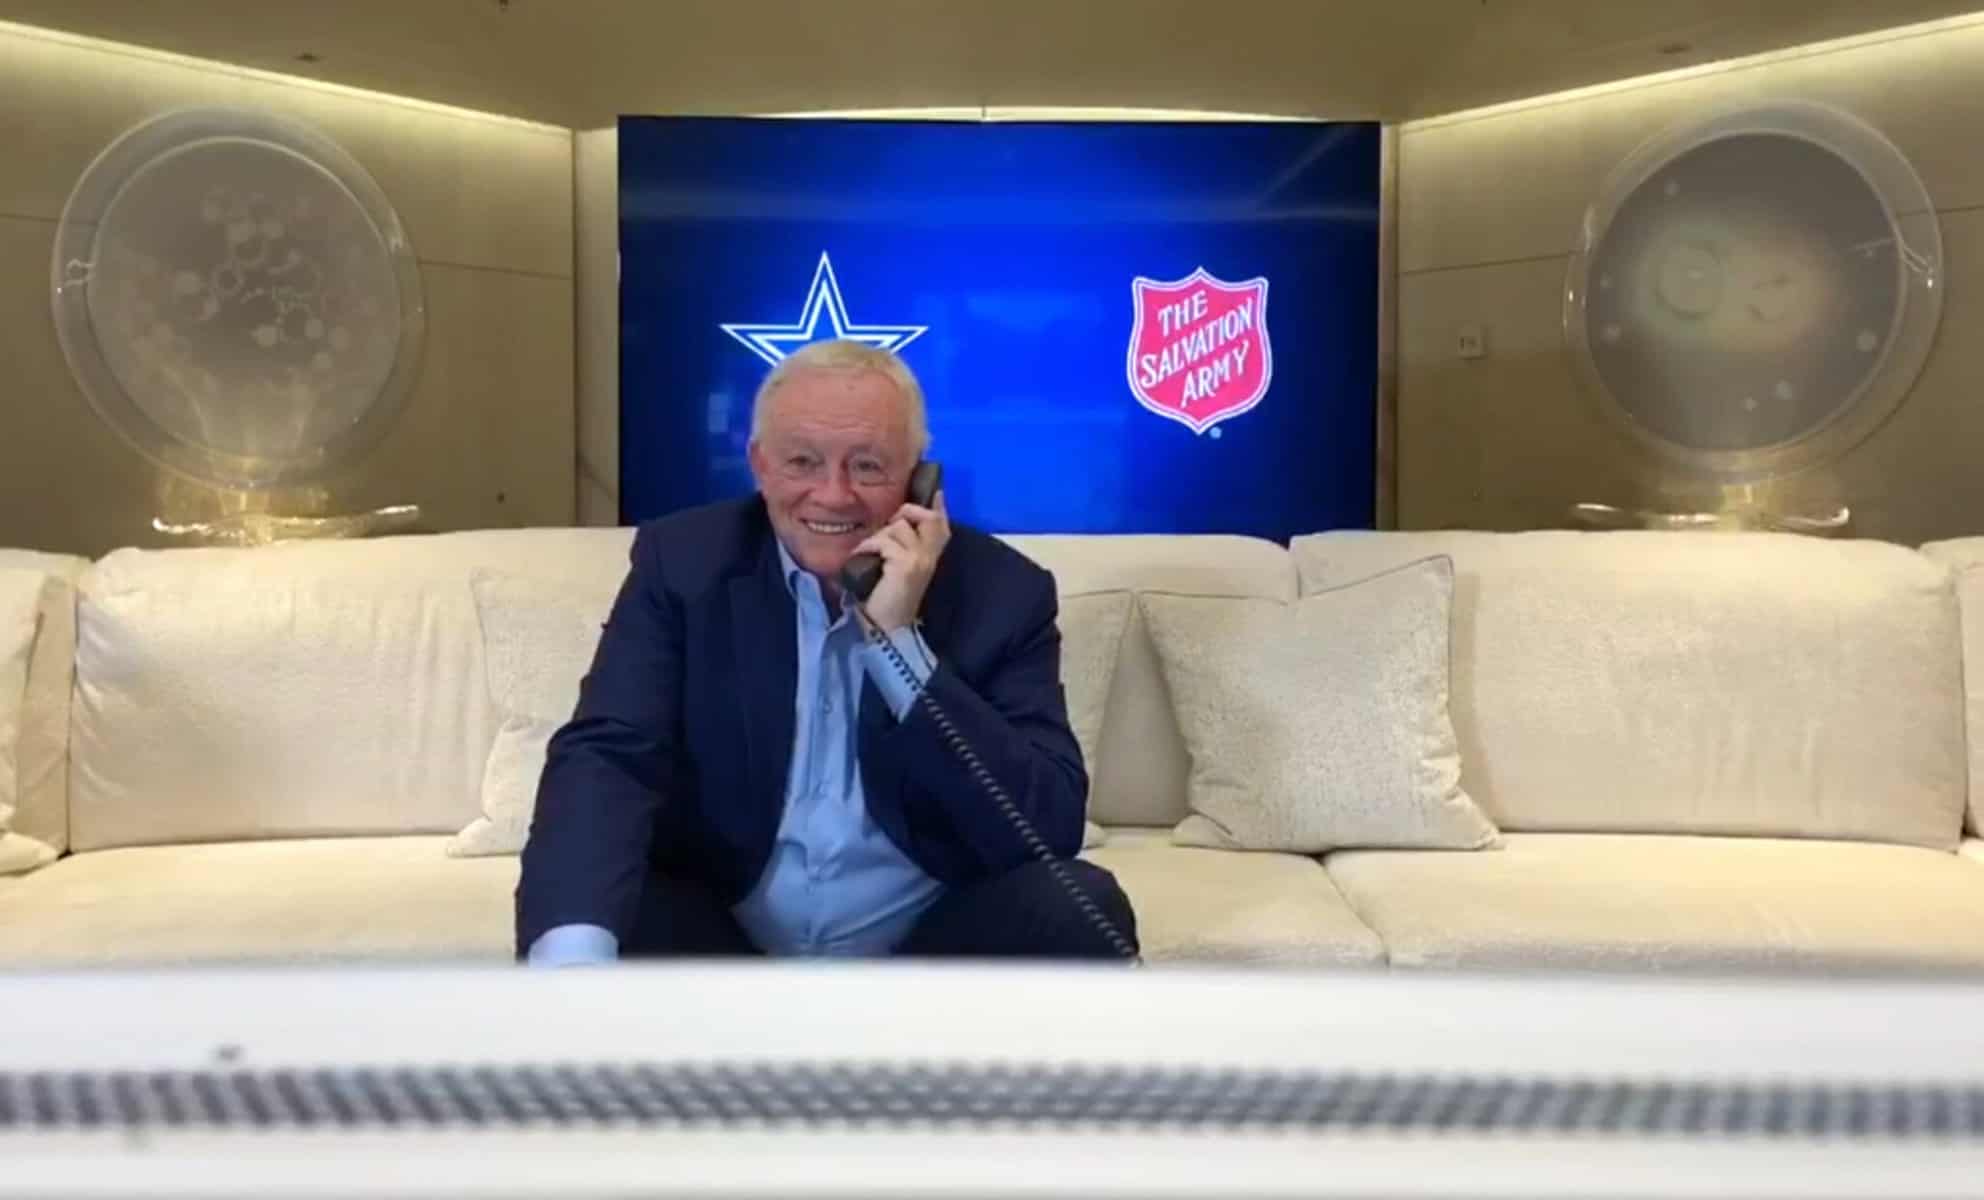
<point>773,342</point>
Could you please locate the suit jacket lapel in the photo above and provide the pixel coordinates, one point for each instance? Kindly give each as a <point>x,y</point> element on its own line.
<point>939,606</point>
<point>764,646</point>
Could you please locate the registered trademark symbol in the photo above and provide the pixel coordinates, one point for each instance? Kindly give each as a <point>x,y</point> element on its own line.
<point>1217,433</point>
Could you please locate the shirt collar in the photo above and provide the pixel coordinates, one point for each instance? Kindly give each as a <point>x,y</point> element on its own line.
<point>790,570</point>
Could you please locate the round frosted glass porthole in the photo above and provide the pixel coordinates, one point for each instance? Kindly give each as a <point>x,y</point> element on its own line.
<point>237,299</point>
<point>1753,295</point>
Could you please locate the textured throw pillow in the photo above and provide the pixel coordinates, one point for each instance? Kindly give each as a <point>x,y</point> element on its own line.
<point>1321,723</point>
<point>20,608</point>
<point>538,639</point>
<point>1092,627</point>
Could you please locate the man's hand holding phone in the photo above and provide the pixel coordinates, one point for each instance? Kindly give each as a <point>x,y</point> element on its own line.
<point>909,546</point>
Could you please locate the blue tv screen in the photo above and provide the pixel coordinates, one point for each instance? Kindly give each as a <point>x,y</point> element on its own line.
<point>1120,327</point>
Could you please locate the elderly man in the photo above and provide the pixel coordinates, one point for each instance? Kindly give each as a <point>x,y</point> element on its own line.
<point>748,773</point>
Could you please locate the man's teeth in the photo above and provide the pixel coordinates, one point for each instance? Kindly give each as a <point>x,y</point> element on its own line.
<point>830,528</point>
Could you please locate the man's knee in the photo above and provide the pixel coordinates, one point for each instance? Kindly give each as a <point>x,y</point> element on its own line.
<point>1087,894</point>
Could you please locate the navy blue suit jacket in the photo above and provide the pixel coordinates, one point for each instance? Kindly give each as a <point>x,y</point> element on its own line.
<point>676,758</point>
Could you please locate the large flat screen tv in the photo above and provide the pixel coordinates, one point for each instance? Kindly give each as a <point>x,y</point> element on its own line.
<point>1122,327</point>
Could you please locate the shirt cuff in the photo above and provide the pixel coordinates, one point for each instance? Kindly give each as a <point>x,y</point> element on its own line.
<point>574,946</point>
<point>897,691</point>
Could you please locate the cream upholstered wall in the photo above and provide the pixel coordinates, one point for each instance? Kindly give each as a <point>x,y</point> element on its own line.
<point>1489,212</point>
<point>488,437</point>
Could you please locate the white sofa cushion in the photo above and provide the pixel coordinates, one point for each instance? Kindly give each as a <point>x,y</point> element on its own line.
<point>538,639</point>
<point>356,899</point>
<point>1965,556</point>
<point>1322,722</point>
<point>41,811</point>
<point>20,617</point>
<point>303,689</point>
<point>1727,683</point>
<point>1607,901</point>
<point>1137,775</point>
<point>297,900</point>
<point>1216,906</point>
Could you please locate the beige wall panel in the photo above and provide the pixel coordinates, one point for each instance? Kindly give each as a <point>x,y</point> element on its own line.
<point>1920,477</point>
<point>488,437</point>
<point>1515,185</point>
<point>486,440</point>
<point>1501,442</point>
<point>596,276</point>
<point>1489,209</point>
<point>61,105</point>
<point>1510,441</point>
<point>471,191</point>
<point>67,483</point>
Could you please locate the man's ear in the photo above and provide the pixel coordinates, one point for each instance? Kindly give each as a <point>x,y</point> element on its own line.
<point>755,455</point>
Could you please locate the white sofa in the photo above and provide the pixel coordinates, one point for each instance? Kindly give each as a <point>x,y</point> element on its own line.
<point>1703,751</point>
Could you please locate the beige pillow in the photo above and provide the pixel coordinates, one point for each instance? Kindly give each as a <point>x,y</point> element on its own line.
<point>1091,627</point>
<point>1322,723</point>
<point>1965,556</point>
<point>538,639</point>
<point>20,611</point>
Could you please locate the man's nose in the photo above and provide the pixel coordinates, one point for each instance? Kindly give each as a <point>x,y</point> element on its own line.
<point>837,488</point>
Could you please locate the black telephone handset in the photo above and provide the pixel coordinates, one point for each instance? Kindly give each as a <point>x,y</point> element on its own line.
<point>858,579</point>
<point>863,571</point>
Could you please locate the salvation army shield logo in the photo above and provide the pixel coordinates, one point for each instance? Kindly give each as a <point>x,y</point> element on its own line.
<point>1199,349</point>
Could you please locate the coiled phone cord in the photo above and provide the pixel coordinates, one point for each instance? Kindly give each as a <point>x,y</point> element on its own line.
<point>1035,845</point>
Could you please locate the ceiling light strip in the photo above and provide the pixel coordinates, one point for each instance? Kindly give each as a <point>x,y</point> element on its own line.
<point>1699,70</point>
<point>172,58</point>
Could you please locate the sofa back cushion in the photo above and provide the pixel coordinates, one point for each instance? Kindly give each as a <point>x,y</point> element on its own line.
<point>327,688</point>
<point>1965,556</point>
<point>1138,773</point>
<point>40,822</point>
<point>1724,683</point>
<point>538,640</point>
<point>20,616</point>
<point>297,690</point>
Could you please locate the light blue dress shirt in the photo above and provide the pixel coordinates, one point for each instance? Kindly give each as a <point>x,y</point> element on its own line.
<point>835,884</point>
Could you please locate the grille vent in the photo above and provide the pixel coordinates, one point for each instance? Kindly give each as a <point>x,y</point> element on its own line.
<point>966,1097</point>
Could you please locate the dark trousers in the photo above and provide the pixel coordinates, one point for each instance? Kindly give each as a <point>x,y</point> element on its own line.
<point>1024,913</point>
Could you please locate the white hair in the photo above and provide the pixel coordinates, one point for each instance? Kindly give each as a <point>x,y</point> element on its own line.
<point>845,355</point>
